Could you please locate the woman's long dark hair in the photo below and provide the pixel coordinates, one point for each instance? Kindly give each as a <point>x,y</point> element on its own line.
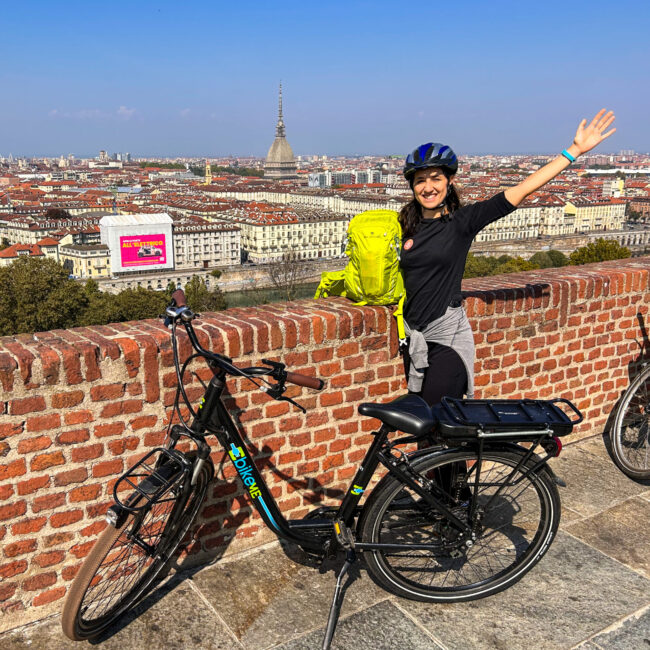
<point>410,215</point>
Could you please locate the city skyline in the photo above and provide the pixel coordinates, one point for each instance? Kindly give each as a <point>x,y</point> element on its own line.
<point>358,78</point>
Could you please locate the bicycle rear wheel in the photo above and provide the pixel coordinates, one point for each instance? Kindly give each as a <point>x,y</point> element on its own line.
<point>630,433</point>
<point>125,561</point>
<point>516,517</point>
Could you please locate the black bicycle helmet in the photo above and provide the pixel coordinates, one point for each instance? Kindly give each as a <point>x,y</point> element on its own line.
<point>431,154</point>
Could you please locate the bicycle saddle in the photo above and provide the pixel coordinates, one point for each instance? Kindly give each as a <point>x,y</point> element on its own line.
<point>408,413</point>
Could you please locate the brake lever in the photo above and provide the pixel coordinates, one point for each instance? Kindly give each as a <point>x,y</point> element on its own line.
<point>288,399</point>
<point>276,393</point>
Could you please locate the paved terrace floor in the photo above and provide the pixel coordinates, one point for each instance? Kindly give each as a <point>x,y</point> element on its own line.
<point>591,590</point>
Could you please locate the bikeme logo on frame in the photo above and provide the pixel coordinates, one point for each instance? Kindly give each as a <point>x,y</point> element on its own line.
<point>244,469</point>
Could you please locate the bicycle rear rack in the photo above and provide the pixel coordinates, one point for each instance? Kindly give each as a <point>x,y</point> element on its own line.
<point>150,480</point>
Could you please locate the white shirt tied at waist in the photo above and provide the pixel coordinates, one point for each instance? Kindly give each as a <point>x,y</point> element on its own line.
<point>451,329</point>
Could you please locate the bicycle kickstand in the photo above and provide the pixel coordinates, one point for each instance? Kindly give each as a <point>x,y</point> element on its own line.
<point>337,601</point>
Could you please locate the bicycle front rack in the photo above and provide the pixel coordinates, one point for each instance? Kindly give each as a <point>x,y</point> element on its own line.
<point>151,480</point>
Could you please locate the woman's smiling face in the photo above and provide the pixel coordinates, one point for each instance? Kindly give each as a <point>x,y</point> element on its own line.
<point>430,187</point>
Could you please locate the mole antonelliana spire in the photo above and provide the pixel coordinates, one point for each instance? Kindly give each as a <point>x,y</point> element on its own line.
<point>280,162</point>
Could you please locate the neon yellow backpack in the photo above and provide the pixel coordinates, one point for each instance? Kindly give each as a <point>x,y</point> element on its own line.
<point>372,275</point>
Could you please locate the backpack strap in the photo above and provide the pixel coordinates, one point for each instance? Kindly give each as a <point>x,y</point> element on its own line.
<point>399,317</point>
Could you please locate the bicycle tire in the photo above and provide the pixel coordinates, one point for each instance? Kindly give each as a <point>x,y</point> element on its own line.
<point>630,433</point>
<point>117,572</point>
<point>516,530</point>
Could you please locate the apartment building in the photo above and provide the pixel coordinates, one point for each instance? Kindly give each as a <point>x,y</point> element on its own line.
<point>597,214</point>
<point>206,246</point>
<point>86,261</point>
<point>266,237</point>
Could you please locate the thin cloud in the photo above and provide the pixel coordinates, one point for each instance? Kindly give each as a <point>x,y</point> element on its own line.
<point>126,113</point>
<point>185,112</point>
<point>122,113</point>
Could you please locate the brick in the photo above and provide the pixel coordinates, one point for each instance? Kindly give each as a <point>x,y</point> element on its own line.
<point>85,493</point>
<point>131,354</point>
<point>43,422</point>
<point>61,519</point>
<point>78,417</point>
<point>106,392</point>
<point>49,559</point>
<point>87,452</point>
<point>7,591</point>
<point>118,447</point>
<point>49,596</point>
<point>27,526</point>
<point>332,398</point>
<point>69,572</point>
<point>144,421</point>
<point>107,468</point>
<point>20,548</point>
<point>26,405</point>
<point>12,569</point>
<point>32,485</point>
<point>43,461</point>
<point>111,429</point>
<point>13,510</point>
<point>124,407</point>
<point>94,529</point>
<point>40,581</point>
<point>34,444</point>
<point>71,476</point>
<point>8,429</point>
<point>48,502</point>
<point>73,437</point>
<point>67,400</point>
<point>13,469</point>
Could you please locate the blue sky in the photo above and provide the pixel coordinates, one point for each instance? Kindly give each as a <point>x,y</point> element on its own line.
<point>170,78</point>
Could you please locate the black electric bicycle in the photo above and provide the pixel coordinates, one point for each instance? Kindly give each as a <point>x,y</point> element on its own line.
<point>460,520</point>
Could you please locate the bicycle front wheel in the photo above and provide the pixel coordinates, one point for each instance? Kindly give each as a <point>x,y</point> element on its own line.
<point>630,441</point>
<point>125,561</point>
<point>514,514</point>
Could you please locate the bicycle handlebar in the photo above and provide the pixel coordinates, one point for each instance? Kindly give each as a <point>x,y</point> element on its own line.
<point>305,380</point>
<point>179,310</point>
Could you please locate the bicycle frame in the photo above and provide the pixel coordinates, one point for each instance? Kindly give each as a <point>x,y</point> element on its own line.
<point>213,417</point>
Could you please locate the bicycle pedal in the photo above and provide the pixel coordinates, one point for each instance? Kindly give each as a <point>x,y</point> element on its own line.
<point>344,535</point>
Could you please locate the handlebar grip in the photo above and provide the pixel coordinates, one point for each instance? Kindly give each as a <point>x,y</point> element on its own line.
<point>179,298</point>
<point>304,380</point>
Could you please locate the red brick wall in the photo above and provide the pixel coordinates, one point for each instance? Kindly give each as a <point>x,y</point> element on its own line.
<point>79,406</point>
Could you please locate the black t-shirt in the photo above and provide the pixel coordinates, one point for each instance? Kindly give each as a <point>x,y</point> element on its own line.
<point>433,259</point>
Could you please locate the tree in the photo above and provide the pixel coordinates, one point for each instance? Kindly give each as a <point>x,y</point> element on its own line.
<point>477,267</point>
<point>4,244</point>
<point>558,258</point>
<point>215,273</point>
<point>57,213</point>
<point>514,265</point>
<point>37,296</point>
<point>200,298</point>
<point>599,251</point>
<point>287,273</point>
<point>542,260</point>
<point>140,303</point>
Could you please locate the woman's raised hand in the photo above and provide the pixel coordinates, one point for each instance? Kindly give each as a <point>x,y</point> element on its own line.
<point>588,136</point>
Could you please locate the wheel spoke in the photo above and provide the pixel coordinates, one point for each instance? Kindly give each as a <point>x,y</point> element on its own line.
<point>515,515</point>
<point>630,433</point>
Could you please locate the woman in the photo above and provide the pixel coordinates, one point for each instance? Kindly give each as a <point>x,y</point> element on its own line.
<point>437,234</point>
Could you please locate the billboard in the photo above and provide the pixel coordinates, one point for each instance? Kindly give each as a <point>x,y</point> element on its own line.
<point>138,242</point>
<point>142,250</point>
